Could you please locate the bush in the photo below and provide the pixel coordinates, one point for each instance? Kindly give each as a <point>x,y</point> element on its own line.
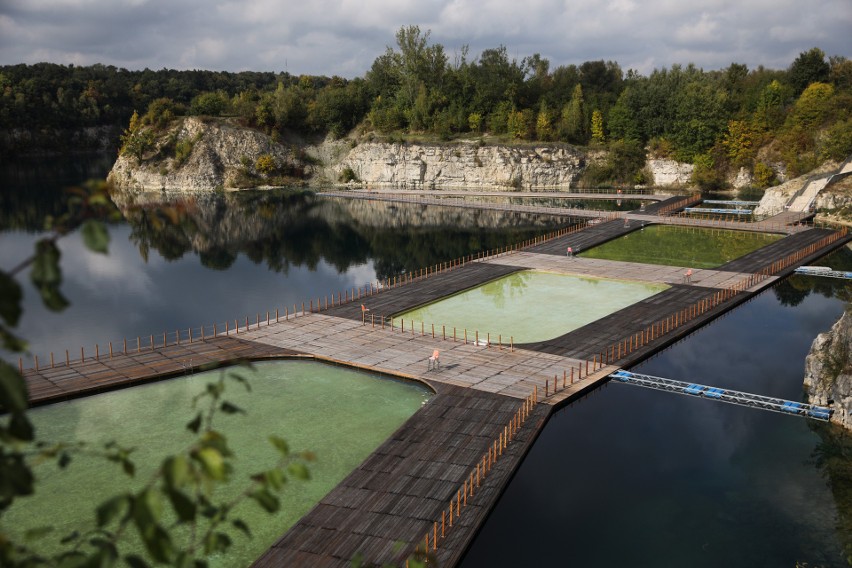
<point>183,148</point>
<point>347,175</point>
<point>266,164</point>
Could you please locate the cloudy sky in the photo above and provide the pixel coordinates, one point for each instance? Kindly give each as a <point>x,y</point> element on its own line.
<point>343,37</point>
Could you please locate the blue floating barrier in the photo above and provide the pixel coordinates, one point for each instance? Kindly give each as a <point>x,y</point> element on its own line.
<point>694,389</point>
<point>714,393</point>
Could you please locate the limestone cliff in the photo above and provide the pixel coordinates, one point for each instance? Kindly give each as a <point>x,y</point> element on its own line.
<point>828,370</point>
<point>215,154</point>
<point>775,199</point>
<point>465,164</point>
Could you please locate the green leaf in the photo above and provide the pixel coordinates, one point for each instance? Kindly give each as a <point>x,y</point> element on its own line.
<point>52,298</point>
<point>212,462</point>
<point>45,267</point>
<point>194,424</point>
<point>214,439</point>
<point>148,507</point>
<point>266,500</point>
<point>11,342</point>
<point>183,505</point>
<point>275,479</point>
<point>241,525</point>
<point>299,471</point>
<point>229,408</point>
<point>216,542</point>
<point>10,299</point>
<point>95,236</point>
<point>176,471</point>
<point>20,427</point>
<point>280,445</point>
<point>128,467</point>
<point>13,389</point>
<point>158,543</point>
<point>110,509</point>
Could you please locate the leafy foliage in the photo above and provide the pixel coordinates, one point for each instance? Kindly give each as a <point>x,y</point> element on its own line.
<point>413,88</point>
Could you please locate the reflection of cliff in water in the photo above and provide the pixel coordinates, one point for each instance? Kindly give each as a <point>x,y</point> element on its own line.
<point>793,290</point>
<point>833,457</point>
<point>296,227</point>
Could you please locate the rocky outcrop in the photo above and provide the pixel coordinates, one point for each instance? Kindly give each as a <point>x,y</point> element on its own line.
<point>466,164</point>
<point>828,371</point>
<point>776,198</point>
<point>220,154</point>
<point>669,172</point>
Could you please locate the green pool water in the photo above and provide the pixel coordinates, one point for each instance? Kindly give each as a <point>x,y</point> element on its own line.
<point>681,246</point>
<point>531,306</point>
<point>340,414</point>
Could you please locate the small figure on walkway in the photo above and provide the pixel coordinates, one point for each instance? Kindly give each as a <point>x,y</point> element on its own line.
<point>434,361</point>
<point>570,252</point>
<point>364,309</point>
<point>687,278</point>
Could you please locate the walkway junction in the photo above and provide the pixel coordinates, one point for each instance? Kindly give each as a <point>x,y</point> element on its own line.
<point>433,482</point>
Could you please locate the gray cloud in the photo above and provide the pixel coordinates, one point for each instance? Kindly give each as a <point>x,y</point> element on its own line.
<point>345,36</point>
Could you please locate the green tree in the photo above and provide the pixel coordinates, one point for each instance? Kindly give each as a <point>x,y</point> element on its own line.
<point>574,117</point>
<point>210,104</point>
<point>812,107</point>
<point>597,127</point>
<point>809,67</point>
<point>740,143</point>
<point>544,124</point>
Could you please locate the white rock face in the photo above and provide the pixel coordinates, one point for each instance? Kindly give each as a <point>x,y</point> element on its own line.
<point>214,162</point>
<point>463,165</point>
<point>670,172</point>
<point>742,179</point>
<point>828,371</point>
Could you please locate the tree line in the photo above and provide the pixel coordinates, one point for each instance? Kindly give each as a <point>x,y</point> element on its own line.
<point>719,120</point>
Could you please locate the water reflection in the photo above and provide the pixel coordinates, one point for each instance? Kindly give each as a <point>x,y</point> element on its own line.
<point>178,261</point>
<point>635,477</point>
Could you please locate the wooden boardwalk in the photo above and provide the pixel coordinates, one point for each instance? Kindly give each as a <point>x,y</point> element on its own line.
<point>401,493</point>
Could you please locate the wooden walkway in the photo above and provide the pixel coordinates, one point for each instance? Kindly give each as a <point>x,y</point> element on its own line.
<point>401,493</point>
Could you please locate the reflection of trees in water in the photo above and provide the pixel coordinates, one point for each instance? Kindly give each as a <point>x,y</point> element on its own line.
<point>507,288</point>
<point>295,227</point>
<point>793,290</point>
<point>833,457</point>
<point>32,191</point>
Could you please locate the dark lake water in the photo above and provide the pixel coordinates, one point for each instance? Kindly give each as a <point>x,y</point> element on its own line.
<point>625,477</point>
<point>226,257</point>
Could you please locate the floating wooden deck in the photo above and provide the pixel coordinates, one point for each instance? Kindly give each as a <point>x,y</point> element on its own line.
<point>472,435</point>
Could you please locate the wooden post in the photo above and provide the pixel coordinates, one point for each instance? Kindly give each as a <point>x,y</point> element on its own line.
<point>51,359</point>
<point>97,353</point>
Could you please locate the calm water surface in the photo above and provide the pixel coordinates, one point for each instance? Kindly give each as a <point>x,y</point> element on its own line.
<point>181,262</point>
<point>635,477</point>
